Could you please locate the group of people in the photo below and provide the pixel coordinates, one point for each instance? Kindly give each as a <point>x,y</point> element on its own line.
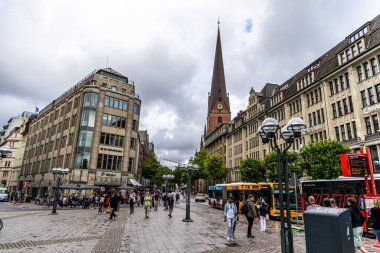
<point>357,218</point>
<point>250,210</point>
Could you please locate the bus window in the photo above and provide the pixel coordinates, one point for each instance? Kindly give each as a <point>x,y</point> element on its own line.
<point>338,199</point>
<point>293,203</point>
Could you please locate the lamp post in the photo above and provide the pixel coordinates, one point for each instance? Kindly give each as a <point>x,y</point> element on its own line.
<point>166,178</point>
<point>188,168</point>
<point>58,173</point>
<point>267,131</point>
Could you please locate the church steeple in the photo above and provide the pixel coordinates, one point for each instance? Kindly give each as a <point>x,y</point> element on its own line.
<point>218,101</point>
<point>218,85</point>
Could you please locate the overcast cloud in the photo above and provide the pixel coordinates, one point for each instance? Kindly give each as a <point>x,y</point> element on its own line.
<point>167,48</point>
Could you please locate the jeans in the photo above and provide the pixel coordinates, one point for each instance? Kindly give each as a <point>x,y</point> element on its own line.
<point>377,233</point>
<point>250,224</point>
<point>263,223</point>
<point>113,213</point>
<point>230,227</point>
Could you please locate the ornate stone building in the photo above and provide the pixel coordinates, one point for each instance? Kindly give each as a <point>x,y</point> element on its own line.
<point>337,95</point>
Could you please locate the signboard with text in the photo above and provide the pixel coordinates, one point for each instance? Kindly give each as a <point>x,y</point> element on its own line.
<point>354,165</point>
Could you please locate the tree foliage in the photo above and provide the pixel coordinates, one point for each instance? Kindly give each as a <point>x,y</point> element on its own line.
<point>294,165</point>
<point>215,167</point>
<point>201,161</point>
<point>252,170</point>
<point>157,179</point>
<point>150,167</point>
<point>321,159</point>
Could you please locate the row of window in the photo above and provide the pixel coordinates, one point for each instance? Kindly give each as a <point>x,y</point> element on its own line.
<point>317,117</point>
<point>339,84</point>
<point>112,139</point>
<point>318,136</point>
<point>114,121</point>
<point>370,68</point>
<point>351,52</point>
<point>295,106</point>
<point>109,162</point>
<point>372,124</point>
<point>308,79</point>
<point>317,94</point>
<point>339,111</point>
<point>238,149</point>
<point>346,131</point>
<point>116,103</point>
<point>371,96</point>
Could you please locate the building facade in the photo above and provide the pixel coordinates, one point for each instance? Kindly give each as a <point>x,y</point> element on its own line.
<point>337,95</point>
<point>92,129</point>
<point>218,112</point>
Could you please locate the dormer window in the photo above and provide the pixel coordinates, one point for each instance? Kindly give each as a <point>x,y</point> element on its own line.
<point>359,34</point>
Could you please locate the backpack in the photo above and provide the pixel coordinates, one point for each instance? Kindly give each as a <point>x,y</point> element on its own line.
<point>244,208</point>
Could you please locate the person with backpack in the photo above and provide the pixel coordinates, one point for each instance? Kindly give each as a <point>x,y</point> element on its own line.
<point>170,203</point>
<point>230,213</point>
<point>357,220</point>
<point>249,210</point>
<point>263,216</point>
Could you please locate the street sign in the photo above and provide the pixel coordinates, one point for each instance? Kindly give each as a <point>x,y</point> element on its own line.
<point>102,189</point>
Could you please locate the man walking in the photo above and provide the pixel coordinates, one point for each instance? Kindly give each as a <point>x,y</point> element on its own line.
<point>113,204</point>
<point>230,213</point>
<point>132,198</point>
<point>251,214</point>
<point>147,203</point>
<point>171,204</point>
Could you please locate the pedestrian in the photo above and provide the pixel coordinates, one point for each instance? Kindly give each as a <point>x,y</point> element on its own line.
<point>101,204</point>
<point>119,200</point>
<point>177,197</point>
<point>132,197</point>
<point>375,218</point>
<point>147,203</point>
<point>171,204</point>
<point>137,199</point>
<point>263,216</point>
<point>357,220</point>
<point>113,204</point>
<point>333,204</point>
<point>312,203</point>
<point>326,202</point>
<point>156,199</point>
<point>230,212</point>
<point>251,214</point>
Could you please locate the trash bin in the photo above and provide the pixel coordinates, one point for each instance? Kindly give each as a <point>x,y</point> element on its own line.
<point>328,230</point>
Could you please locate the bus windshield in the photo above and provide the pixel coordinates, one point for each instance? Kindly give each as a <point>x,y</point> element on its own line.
<point>293,203</point>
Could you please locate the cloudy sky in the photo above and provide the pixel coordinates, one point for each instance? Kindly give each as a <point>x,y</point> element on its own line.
<point>167,48</point>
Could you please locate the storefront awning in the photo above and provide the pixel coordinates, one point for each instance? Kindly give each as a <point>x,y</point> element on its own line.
<point>134,182</point>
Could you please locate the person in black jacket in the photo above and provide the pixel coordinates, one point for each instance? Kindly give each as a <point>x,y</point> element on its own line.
<point>113,203</point>
<point>357,220</point>
<point>375,217</point>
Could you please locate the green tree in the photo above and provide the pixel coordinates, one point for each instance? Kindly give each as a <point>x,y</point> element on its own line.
<point>321,160</point>
<point>215,167</point>
<point>150,167</point>
<point>157,179</point>
<point>252,170</point>
<point>200,160</point>
<point>179,176</point>
<point>294,165</point>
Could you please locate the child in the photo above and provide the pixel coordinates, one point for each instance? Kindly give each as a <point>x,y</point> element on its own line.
<point>263,216</point>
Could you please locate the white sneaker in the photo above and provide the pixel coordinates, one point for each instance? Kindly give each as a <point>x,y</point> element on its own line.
<point>228,239</point>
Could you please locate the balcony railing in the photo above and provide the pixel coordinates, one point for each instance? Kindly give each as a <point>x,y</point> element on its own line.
<point>351,141</point>
<point>372,137</point>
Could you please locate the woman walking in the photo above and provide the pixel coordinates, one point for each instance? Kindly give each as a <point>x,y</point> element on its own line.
<point>357,220</point>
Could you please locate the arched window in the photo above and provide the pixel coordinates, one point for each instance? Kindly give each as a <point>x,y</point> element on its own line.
<point>220,120</point>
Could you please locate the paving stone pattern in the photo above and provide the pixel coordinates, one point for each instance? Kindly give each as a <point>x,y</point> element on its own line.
<point>30,229</point>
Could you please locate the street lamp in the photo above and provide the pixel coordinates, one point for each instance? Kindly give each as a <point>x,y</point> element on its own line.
<point>58,173</point>
<point>267,132</point>
<point>188,168</point>
<point>166,178</point>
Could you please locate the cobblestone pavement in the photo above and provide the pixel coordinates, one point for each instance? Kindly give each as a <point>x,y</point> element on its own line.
<point>31,229</point>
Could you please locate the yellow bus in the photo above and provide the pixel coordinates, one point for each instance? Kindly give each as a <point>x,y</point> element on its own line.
<point>267,192</point>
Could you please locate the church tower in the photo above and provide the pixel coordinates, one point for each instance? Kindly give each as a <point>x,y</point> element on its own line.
<point>218,102</point>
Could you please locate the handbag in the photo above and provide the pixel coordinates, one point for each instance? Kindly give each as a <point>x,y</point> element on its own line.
<point>108,210</point>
